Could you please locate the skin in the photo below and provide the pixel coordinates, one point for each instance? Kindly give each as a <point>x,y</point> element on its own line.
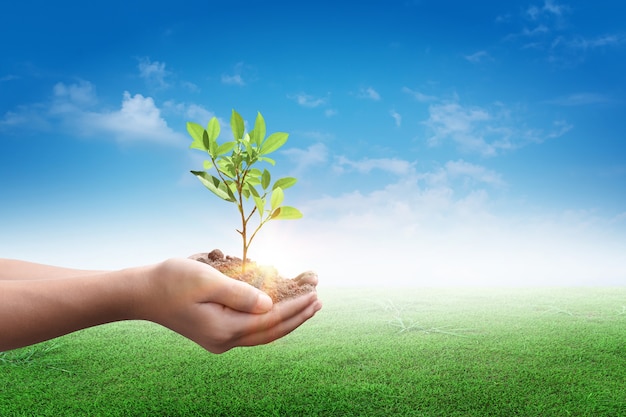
<point>40,302</point>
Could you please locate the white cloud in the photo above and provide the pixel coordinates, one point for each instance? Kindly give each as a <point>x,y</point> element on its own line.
<point>191,112</point>
<point>384,234</point>
<point>462,177</point>
<point>474,173</point>
<point>67,106</point>
<point>619,219</point>
<point>9,77</point>
<point>503,18</point>
<point>369,93</point>
<point>153,72</point>
<point>73,97</point>
<point>433,228</point>
<point>552,7</point>
<point>539,33</point>
<point>197,112</point>
<point>393,165</point>
<point>15,118</point>
<point>581,99</point>
<point>549,9</point>
<point>423,98</point>
<point>191,87</point>
<point>422,229</point>
<point>533,12</point>
<point>138,120</point>
<point>568,50</point>
<point>396,117</point>
<point>477,57</point>
<point>584,43</point>
<point>544,28</point>
<point>306,100</point>
<point>459,123</point>
<point>234,79</point>
<point>488,132</point>
<point>559,128</point>
<point>315,135</point>
<point>73,109</point>
<point>303,159</point>
<point>537,30</point>
<point>330,112</point>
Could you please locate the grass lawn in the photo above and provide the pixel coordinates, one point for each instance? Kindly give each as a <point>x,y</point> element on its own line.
<point>385,352</point>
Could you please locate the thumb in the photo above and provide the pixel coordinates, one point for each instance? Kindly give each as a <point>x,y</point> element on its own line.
<point>236,294</point>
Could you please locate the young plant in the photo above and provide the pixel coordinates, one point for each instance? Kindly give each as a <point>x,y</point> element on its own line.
<point>237,179</point>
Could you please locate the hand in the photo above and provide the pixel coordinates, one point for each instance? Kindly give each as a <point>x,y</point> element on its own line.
<point>219,313</point>
<point>41,302</point>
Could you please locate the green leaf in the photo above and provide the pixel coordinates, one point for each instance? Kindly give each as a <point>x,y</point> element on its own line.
<point>226,159</point>
<point>214,185</point>
<point>285,182</point>
<point>266,179</point>
<point>254,172</point>
<point>211,144</point>
<point>213,128</point>
<point>253,191</point>
<point>207,164</point>
<point>195,131</point>
<point>273,142</point>
<point>260,205</point>
<point>253,180</point>
<point>249,152</point>
<point>277,198</point>
<point>258,133</point>
<point>225,148</point>
<point>286,213</point>
<point>231,189</point>
<point>236,159</point>
<point>268,160</point>
<point>249,190</point>
<point>253,176</point>
<point>226,167</point>
<point>237,125</point>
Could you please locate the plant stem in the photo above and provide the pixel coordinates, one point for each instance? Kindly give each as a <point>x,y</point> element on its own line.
<point>244,221</point>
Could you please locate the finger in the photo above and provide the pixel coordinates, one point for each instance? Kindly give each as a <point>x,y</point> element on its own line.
<point>282,329</point>
<point>235,294</point>
<point>235,328</point>
<point>284,318</point>
<point>308,277</point>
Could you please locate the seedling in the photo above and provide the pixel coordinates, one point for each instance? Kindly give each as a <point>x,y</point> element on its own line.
<point>237,179</point>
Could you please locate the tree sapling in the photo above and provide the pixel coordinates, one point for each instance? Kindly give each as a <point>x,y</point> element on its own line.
<point>237,179</point>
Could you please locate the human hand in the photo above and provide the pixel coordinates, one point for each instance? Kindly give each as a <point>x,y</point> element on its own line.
<point>217,312</point>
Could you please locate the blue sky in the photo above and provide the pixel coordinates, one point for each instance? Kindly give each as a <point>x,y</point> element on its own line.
<point>435,142</point>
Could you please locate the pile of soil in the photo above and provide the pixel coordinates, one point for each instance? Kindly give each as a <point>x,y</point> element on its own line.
<point>265,278</point>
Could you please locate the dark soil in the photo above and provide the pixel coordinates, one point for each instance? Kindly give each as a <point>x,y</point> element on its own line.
<point>264,278</point>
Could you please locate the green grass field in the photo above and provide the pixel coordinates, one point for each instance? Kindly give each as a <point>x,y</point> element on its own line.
<point>417,352</point>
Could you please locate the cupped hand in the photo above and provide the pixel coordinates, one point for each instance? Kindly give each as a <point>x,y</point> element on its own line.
<point>220,313</point>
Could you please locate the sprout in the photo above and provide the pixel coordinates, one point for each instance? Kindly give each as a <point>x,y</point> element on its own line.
<point>237,180</point>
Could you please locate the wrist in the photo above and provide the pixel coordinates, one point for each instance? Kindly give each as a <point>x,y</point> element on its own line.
<point>161,289</point>
<point>143,291</point>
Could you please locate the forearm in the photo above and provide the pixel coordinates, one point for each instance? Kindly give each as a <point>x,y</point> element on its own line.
<point>13,269</point>
<point>32,311</point>
<point>188,297</point>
